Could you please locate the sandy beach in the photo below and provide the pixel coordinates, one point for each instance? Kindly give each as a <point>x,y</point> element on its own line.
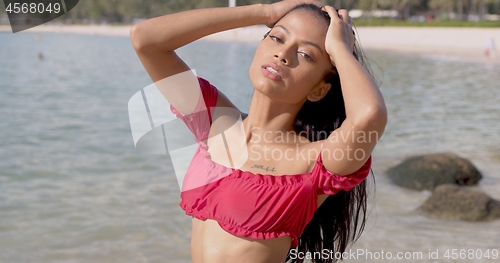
<point>465,43</point>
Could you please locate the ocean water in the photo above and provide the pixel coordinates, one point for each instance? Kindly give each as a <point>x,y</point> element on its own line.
<point>74,189</point>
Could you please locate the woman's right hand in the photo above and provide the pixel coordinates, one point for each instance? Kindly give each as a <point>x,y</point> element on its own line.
<point>279,9</point>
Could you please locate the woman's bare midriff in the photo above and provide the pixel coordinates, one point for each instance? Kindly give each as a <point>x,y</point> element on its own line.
<point>212,244</point>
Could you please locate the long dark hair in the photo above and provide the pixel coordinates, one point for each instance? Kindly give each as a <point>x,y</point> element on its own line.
<point>341,218</point>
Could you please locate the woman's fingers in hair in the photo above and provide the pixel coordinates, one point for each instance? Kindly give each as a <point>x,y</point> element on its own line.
<point>331,12</point>
<point>341,14</point>
<point>344,15</point>
<point>340,32</point>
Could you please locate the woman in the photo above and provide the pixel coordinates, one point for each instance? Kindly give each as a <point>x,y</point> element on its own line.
<point>314,119</point>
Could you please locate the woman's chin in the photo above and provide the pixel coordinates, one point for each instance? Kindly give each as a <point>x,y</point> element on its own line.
<point>265,87</point>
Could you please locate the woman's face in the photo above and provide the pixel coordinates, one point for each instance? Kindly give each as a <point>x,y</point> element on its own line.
<point>292,61</point>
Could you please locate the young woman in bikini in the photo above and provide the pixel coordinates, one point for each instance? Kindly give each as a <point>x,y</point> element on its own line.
<point>313,122</point>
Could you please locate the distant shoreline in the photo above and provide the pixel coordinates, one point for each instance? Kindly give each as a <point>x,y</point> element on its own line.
<point>464,43</point>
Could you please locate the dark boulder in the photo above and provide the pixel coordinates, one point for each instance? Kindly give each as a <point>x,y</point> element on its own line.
<point>452,202</point>
<point>425,172</point>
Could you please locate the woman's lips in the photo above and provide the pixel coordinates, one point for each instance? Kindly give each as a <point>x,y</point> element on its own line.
<point>272,71</point>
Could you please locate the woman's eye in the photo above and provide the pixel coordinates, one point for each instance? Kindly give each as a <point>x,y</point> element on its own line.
<point>277,39</point>
<point>306,56</point>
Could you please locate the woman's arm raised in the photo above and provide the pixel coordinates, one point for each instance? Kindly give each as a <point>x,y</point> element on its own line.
<point>350,146</point>
<point>169,32</point>
<point>155,41</point>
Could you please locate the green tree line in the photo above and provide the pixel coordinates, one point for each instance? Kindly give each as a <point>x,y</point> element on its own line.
<point>130,11</point>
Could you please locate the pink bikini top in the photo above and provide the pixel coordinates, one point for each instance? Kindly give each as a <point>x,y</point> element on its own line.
<point>251,205</point>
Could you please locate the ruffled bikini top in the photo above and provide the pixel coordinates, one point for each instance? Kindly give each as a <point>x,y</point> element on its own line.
<point>259,206</point>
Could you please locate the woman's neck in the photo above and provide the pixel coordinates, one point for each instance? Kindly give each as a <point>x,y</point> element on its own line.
<point>268,116</point>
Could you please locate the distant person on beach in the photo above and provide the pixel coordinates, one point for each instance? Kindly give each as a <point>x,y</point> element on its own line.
<point>40,54</point>
<point>490,49</point>
<point>315,117</point>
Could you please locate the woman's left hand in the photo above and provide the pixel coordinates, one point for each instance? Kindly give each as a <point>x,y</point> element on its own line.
<point>340,33</point>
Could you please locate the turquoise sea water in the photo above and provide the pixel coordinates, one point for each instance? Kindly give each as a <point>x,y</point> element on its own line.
<point>74,189</point>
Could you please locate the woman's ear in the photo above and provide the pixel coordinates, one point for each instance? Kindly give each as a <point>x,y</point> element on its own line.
<point>319,91</point>
<point>323,87</point>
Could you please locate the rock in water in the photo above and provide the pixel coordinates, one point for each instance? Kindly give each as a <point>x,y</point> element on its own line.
<point>452,202</point>
<point>425,172</point>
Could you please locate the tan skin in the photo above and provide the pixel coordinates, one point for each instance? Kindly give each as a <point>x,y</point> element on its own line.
<point>305,48</point>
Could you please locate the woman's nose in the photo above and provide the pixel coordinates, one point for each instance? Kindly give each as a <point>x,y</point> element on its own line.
<point>281,58</point>
<point>284,55</point>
